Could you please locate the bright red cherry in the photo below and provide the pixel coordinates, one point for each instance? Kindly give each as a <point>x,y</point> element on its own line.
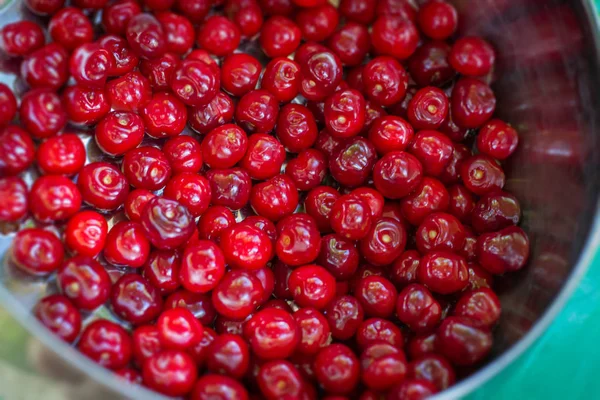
<point>160,70</point>
<point>106,343</point>
<point>497,139</point>
<point>214,221</point>
<point>178,329</point>
<point>275,198</point>
<point>224,146</point>
<point>257,111</point>
<point>345,315</point>
<point>199,304</point>
<point>211,386</point>
<point>296,128</point>
<point>272,334</point>
<point>202,267</point>
<point>240,73</point>
<point>383,366</point>
<point>443,272</point>
<point>102,186</point>
<point>125,59</point>
<point>53,198</point>
<point>190,190</point>
<point>282,79</point>
<point>321,74</point>
<point>42,113</point>
<point>14,192</point>
<point>280,379</point>
<point>246,247</point>
<point>337,369</point>
<point>345,113</point>
<point>238,294</point>
<point>298,241</point>
<point>395,37</point>
<point>127,245</point>
<point>167,223</point>
<point>135,300</point>
<point>21,38</point>
<point>146,168</point>
<point>279,37</point>
<point>119,132</point>
<point>472,56</point>
<point>351,217</point>
<point>164,115</point>
<point>264,157</point>
<point>17,150</point>
<point>412,389</point>
<point>229,355</point>
<point>194,10</point>
<point>90,65</point>
<point>318,204</point>
<point>85,282</point>
<point>418,309</point>
<point>36,251</point>
<point>135,203</point>
<point>115,16</point>
<point>219,36</point>
<point>339,256</point>
<point>384,242</point>
<point>312,286</point>
<point>70,28</point>
<point>385,81</point>
<point>317,23</point>
<point>308,169</point>
<point>217,112</point>
<point>504,251</point>
<point>183,154</point>
<point>179,31</point>
<point>170,372</point>
<point>481,305</point>
<point>438,20</point>
<point>351,43</point>
<point>85,106</point>
<point>61,155</point>
<point>377,295</point>
<point>352,161</point>
<point>162,270</point>
<point>314,330</point>
<point>430,196</point>
<point>397,174</point>
<point>195,83</point>
<point>429,65</point>
<point>130,92</point>
<point>378,330</point>
<point>60,316</point>
<point>390,133</point>
<point>8,105</point>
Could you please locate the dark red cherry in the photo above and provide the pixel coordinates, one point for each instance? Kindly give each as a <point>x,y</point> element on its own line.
<point>160,70</point>
<point>224,146</point>
<point>481,305</point>
<point>124,59</point>
<point>130,92</point>
<point>308,169</point>
<point>438,20</point>
<point>428,108</point>
<point>257,111</point>
<point>85,282</point>
<point>430,196</point>
<point>272,334</point>
<point>229,187</point>
<point>61,155</point>
<point>482,174</point>
<point>246,15</point>
<point>360,11</point>
<point>264,157</point>
<point>127,245</point>
<point>36,251</point>
<point>162,270</point>
<point>183,153</point>
<point>146,36</point>
<point>429,65</point>
<point>504,251</point>
<point>418,309</point>
<point>385,81</point>
<point>472,103</point>
<point>318,204</point>
<point>194,10</point>
<point>351,43</point>
<point>317,23</point>
<point>433,368</point>
<point>199,304</point>
<point>440,231</point>
<point>397,174</point>
<point>379,330</point>
<point>339,256</point>
<point>282,79</point>
<point>472,56</point>
<point>351,217</point>
<point>377,295</point>
<point>115,16</point>
<point>238,294</point>
<point>390,133</point>
<point>443,272</point>
<point>337,369</point>
<point>352,161</point>
<point>167,223</point>
<point>495,211</point>
<point>60,316</point>
<point>223,387</point>
<point>497,139</point>
<point>199,352</point>
<point>106,343</point>
<point>395,37</point>
<point>135,300</point>
<point>404,269</point>
<point>102,185</point>
<point>146,168</point>
<point>433,149</point>
<point>451,173</point>
<point>461,203</point>
<point>229,355</point>
<point>384,242</point>
<point>195,83</point>
<point>463,340</point>
<point>85,106</point>
<point>170,372</point>
<point>135,203</point>
<point>344,314</point>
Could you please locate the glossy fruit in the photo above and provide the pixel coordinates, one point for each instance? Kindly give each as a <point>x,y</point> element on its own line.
<point>296,128</point>
<point>312,286</point>
<point>85,106</point>
<point>145,36</point>
<point>482,174</point>
<point>397,174</point>
<point>237,295</point>
<point>337,369</point>
<point>504,251</point>
<point>377,295</point>
<point>53,198</point>
<point>102,185</point>
<point>339,256</point>
<point>127,245</point>
<point>219,36</point>
<point>385,81</point>
<point>246,247</point>
<point>352,161</point>
<point>36,251</point>
<point>345,113</point>
<point>18,150</point>
<point>170,372</point>
<point>440,231</point>
<point>135,300</point>
<point>42,113</point>
<point>298,242</point>
<point>390,133</point>
<point>272,334</point>
<point>418,309</point>
<point>178,329</point>
<point>472,103</point>
<point>106,343</point>
<point>497,139</point>
<point>314,330</point>
<point>438,20</point>
<point>433,368</point>
<point>351,217</point>
<point>281,78</point>
<point>61,155</point>
<point>21,38</point>
<point>481,305</point>
<point>229,355</point>
<point>443,272</point>
<point>412,389</point>
<point>345,315</point>
<point>90,65</point>
<point>280,380</point>
<point>384,242</point>
<point>14,191</point>
<point>202,267</point>
<point>463,341</point>
<point>229,187</point>
<point>240,73</point>
<point>119,132</point>
<point>70,28</point>
<point>378,330</point>
<point>275,198</point>
<point>85,282</point>
<point>211,386</point>
<point>257,111</point>
<point>279,37</point>
<point>472,56</point>
<point>396,37</point>
<point>60,316</point>
<point>199,304</point>
<point>383,366</point>
<point>130,92</point>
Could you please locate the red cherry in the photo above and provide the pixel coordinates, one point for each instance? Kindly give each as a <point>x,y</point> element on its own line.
<point>195,83</point>
<point>452,172</point>
<point>399,8</point>
<point>339,256</point>
<point>194,10</point>
<point>42,113</point>
<point>264,157</point>
<point>178,30</point>
<point>160,70</point>
<point>85,282</point>
<point>167,223</point>
<point>377,295</point>
<point>70,28</point>
<point>190,190</point>
<point>229,187</point>
<point>202,267</point>
<point>482,174</point>
<point>246,15</point>
<point>296,128</point>
<point>282,79</point>
<point>429,65</point>
<point>17,150</point>
<point>246,247</point>
<point>318,204</point>
<point>115,16</point>
<point>119,132</point>
<point>321,74</point>
<point>404,269</point>
<point>443,272</point>
<point>497,139</point>
<point>240,73</point>
<point>272,334</point>
<point>229,355</point>
<point>397,174</point>
<point>146,36</point>
<point>102,185</point>
<point>21,38</point>
<point>390,133</point>
<point>337,369</point>
<point>308,169</point>
<point>383,365</point>
<point>90,65</point>
<point>433,368</point>
<point>504,251</point>
<point>298,241</point>
<point>214,221</point>
<point>428,108</point>
<point>199,304</point>
<point>312,286</point>
<point>384,242</point>
<point>162,270</point>
<point>130,92</point>
<point>224,146</point>
<point>385,81</point>
<point>199,352</point>
<point>135,300</point>
<point>351,217</point>
<point>106,343</point>
<point>279,379</point>
<point>146,167</point>
<point>412,389</point>
<point>60,316</point>
<point>257,111</point>
<point>440,231</point>
<point>378,330</point>
<point>481,305</point>
<point>345,315</point>
<point>495,211</point>
<point>178,329</point>
<point>317,23</point>
<point>420,345</point>
<point>418,309</point>
<point>352,161</point>
<point>438,20</point>
<point>211,386</point>
<point>125,59</point>
<point>183,154</point>
<point>395,37</point>
<point>472,103</point>
<point>14,192</point>
<point>61,155</point>
<point>126,244</point>
<point>430,196</point>
<point>36,251</point>
<point>170,372</point>
<point>351,43</point>
<point>164,116</point>
<point>463,341</point>
<point>345,113</point>
<point>53,198</point>
<point>360,11</point>
<point>472,56</point>
<point>219,36</point>
<point>279,37</point>
<point>237,294</point>
<point>314,330</point>
<point>275,198</point>
<point>85,106</point>
<point>135,203</point>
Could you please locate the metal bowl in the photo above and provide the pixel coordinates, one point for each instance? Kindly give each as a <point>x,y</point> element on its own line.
<point>546,83</point>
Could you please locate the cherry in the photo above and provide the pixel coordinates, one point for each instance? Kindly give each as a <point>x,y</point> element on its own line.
<point>377,295</point>
<point>130,92</point>
<point>352,161</point>
<point>395,37</point>
<point>314,330</point>
<point>146,36</point>
<point>102,186</point>
<point>8,105</point>
<point>308,169</point>
<point>160,70</point>
<point>430,196</point>
<point>18,150</point>
<point>472,103</point>
<point>61,155</point>
<point>199,304</point>
<point>468,249</point>
<point>135,203</point>
<point>126,244</point>
<point>344,315</point>
<point>497,139</point>
<point>443,272</point>
<point>461,203</point>
<point>183,154</point>
<point>345,113</point>
<point>382,365</point>
<point>312,286</point>
<point>433,149</point>
<point>463,341</point>
<point>482,174</point>
<point>70,28</point>
<point>229,187</point>
<point>125,59</point>
<point>351,43</point>
<point>167,223</point>
<point>272,334</point>
<point>351,217</point>
<point>237,294</point>
<point>42,113</point>
<point>134,299</point>
<point>279,379</point>
<point>267,280</point>
<point>275,198</point>
<point>418,309</point>
<point>337,369</point>
<point>178,329</point>
<point>213,386</point>
<point>199,352</point>
<point>317,23</point>
<point>257,111</point>
<point>44,7</point>
<point>162,270</point>
<point>178,30</point>
<point>360,11</point>
<point>194,10</point>
<point>279,37</point>
<point>115,16</point>
<point>504,251</point>
<point>472,56</point>
<point>429,65</point>
<point>420,345</point>
<point>106,343</point>
<point>195,83</point>
<point>452,173</point>
<point>146,168</point>
<point>412,389</point>
<point>378,330</point>
<point>481,305</point>
<point>399,8</point>
<point>397,174</point>
<point>321,72</point>
<point>214,221</point>
<point>433,368</point>
<point>202,267</point>
<point>229,355</point>
<point>438,20</point>
<point>298,241</point>
<point>164,116</point>
<point>247,15</point>
<point>191,190</point>
<point>384,242</point>
<point>159,5</point>
<point>224,146</point>
<point>296,128</point>
<point>219,36</point>
<point>281,78</point>
<point>85,106</point>
<point>36,251</point>
<point>318,204</point>
<point>90,65</point>
<point>245,246</point>
<point>240,73</point>
<point>14,192</point>
<point>428,108</point>
<point>277,7</point>
<point>385,81</point>
<point>495,211</point>
<point>170,372</point>
<point>390,133</point>
<point>339,256</point>
<point>53,198</point>
<point>119,132</point>
<point>231,326</point>
<point>440,231</point>
<point>21,38</point>
<point>60,316</point>
<point>85,282</point>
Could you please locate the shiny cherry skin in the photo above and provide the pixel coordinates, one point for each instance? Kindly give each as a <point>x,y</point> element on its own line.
<point>443,272</point>
<point>146,36</point>
<point>106,343</point>
<point>61,155</point>
<point>263,224</point>
<point>433,368</point>
<point>170,372</point>
<point>129,375</point>
<point>53,198</point>
<point>167,223</point>
<point>60,316</point>
<point>296,128</point>
<point>438,20</point>
<point>418,309</point>
<point>397,174</point>
<point>382,366</point>
<point>164,116</point>
<point>135,202</point>
<point>468,249</point>
<point>428,108</point>
<point>264,157</point>
<point>217,112</point>
<point>178,30</point>
<point>257,111</point>
<point>102,185</point>
<point>248,18</point>
<point>228,325</point>
<point>42,113</point>
<point>404,269</point>
<point>385,81</point>
<point>351,217</point>
<point>127,245</point>
<point>8,105</point>
<point>135,300</point>
<point>420,345</point>
<point>345,315</point>
<point>481,305</point>
<point>345,113</point>
<point>267,280</point>
<point>146,168</point>
<point>433,149</point>
<point>85,106</point>
<point>21,38</point>
<point>317,23</point>
<point>377,295</point>
<point>214,221</point>
<point>130,92</point>
<point>373,198</point>
<point>472,56</point>
<point>183,154</point>
<point>70,28</point>
<point>379,330</point>
<point>219,36</point>
<point>452,172</point>
<point>321,74</point>
<point>162,270</point>
<point>279,37</point>
<point>125,59</point>
<point>36,251</point>
<point>337,369</point>
<point>202,267</point>
<point>390,133</point>
<point>194,10</point>
<point>178,329</point>
<point>312,286</point>
<point>14,192</point>
<point>472,103</point>
<point>199,304</point>
<point>307,169</point>
<point>190,190</point>
<point>395,37</point>
<point>429,65</point>
<point>280,379</point>
<point>360,11</point>
<point>461,203</point>
<point>318,204</point>
<point>440,231</point>
<point>497,139</point>
<point>272,334</point>
<point>229,187</point>
<point>85,282</point>
<point>314,330</point>
<point>199,351</point>
<point>213,386</point>
<point>160,70</point>
<point>115,16</point>
<point>351,162</point>
<point>482,174</point>
<point>463,340</point>
<point>90,65</point>
<point>229,355</point>
<point>224,146</point>
<point>351,43</point>
<point>495,211</point>
<point>240,73</point>
<point>384,242</point>
<point>430,196</point>
<point>17,150</point>
<point>412,389</point>
<point>195,83</point>
<point>237,295</point>
<point>119,132</point>
<point>246,247</point>
<point>281,78</point>
<point>275,198</point>
<point>339,256</point>
<point>298,241</point>
<point>506,250</point>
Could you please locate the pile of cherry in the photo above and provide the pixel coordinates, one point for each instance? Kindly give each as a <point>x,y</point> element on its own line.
<point>364,157</point>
